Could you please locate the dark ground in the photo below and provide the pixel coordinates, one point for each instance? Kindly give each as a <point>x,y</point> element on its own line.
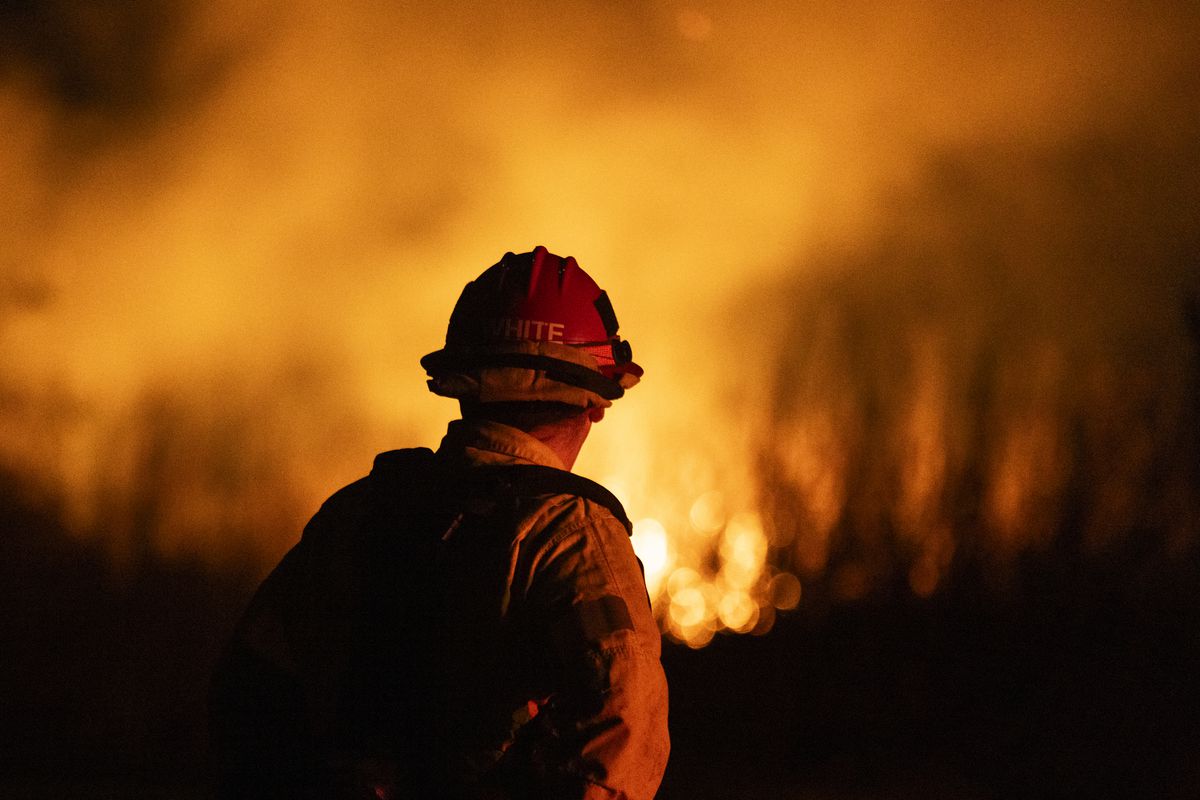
<point>1079,680</point>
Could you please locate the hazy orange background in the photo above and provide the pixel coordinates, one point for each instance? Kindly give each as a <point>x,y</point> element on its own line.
<point>882,261</point>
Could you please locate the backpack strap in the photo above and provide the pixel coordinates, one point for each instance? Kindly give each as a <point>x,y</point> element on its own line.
<point>531,480</point>
<point>515,480</point>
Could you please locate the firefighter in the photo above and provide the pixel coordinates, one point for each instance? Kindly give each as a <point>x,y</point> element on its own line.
<point>470,622</point>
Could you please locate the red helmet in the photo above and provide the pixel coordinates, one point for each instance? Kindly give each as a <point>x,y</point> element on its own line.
<point>533,313</point>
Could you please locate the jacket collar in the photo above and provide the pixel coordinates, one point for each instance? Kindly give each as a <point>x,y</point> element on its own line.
<point>482,442</point>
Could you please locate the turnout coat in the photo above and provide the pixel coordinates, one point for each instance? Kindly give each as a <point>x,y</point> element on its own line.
<point>466,624</point>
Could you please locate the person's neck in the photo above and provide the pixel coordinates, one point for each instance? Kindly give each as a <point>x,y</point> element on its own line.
<point>565,441</point>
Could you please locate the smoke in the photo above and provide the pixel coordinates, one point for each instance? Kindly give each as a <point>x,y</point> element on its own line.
<point>1006,367</point>
<point>212,203</point>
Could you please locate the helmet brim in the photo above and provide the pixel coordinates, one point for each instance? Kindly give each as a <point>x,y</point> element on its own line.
<point>523,370</point>
<point>442,362</point>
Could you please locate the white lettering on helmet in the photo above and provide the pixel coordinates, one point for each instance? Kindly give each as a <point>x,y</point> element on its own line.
<point>530,329</point>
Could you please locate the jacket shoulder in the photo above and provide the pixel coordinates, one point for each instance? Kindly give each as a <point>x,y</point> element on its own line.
<point>348,504</point>
<point>341,512</point>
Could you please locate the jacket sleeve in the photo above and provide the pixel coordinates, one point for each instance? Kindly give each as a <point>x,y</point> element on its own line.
<point>260,703</point>
<point>256,701</point>
<point>610,708</point>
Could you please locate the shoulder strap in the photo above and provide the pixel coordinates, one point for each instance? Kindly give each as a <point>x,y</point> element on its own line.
<point>530,480</point>
<point>521,480</point>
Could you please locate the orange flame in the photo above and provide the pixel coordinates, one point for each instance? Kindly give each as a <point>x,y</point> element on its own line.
<point>225,254</point>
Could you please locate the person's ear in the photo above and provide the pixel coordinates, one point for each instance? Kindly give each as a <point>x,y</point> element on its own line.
<point>595,413</point>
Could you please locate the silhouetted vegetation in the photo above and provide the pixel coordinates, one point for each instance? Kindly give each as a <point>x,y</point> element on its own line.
<point>983,467</point>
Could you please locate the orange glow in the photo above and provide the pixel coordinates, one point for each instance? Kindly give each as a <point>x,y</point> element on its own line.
<point>784,591</point>
<point>652,545</point>
<point>215,292</point>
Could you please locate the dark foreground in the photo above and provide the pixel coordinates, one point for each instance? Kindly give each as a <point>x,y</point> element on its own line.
<point>1078,679</point>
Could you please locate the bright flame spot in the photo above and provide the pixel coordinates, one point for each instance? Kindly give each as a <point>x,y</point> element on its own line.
<point>738,611</point>
<point>712,599</point>
<point>784,591</point>
<point>682,578</point>
<point>688,608</point>
<point>697,637</point>
<point>708,512</point>
<point>766,621</point>
<point>651,545</point>
<point>743,550</point>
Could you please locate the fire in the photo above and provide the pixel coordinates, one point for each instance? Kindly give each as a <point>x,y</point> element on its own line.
<point>694,601</point>
<point>870,327</point>
<point>652,545</point>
